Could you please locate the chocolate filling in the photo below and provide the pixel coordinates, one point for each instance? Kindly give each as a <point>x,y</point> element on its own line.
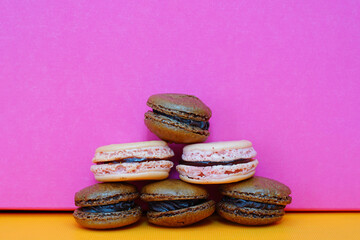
<point>130,160</point>
<point>200,124</point>
<point>165,206</point>
<point>117,207</point>
<point>207,163</point>
<point>251,204</point>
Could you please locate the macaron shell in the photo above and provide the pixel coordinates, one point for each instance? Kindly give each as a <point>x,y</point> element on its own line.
<point>247,216</point>
<point>130,168</point>
<point>128,146</point>
<point>107,220</point>
<point>173,131</point>
<point>181,105</point>
<point>230,179</point>
<point>105,193</point>
<point>219,151</point>
<point>152,149</point>
<point>217,174</point>
<point>172,189</point>
<point>259,189</point>
<point>218,146</point>
<point>182,217</point>
<point>119,177</point>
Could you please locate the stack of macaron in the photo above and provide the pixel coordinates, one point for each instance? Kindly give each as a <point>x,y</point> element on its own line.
<point>183,119</point>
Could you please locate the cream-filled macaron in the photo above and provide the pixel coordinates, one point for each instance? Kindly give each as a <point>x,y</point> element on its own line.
<point>217,162</point>
<point>107,205</point>
<point>132,161</point>
<point>174,203</point>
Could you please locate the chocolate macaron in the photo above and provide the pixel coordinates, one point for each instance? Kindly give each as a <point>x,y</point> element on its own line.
<point>256,201</point>
<point>107,205</point>
<point>217,162</point>
<point>132,161</point>
<point>174,203</point>
<point>178,118</point>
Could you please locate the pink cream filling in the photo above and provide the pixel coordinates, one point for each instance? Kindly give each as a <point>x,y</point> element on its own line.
<point>124,168</point>
<point>216,172</point>
<point>151,152</point>
<point>219,156</point>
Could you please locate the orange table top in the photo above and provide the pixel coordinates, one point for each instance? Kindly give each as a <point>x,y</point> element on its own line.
<point>293,226</point>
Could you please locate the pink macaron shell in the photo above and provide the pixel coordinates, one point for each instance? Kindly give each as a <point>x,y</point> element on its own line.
<point>219,156</point>
<point>128,168</point>
<point>150,152</point>
<point>217,171</point>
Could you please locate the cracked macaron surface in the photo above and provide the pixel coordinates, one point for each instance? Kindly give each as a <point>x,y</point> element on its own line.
<point>217,162</point>
<point>174,203</point>
<point>107,205</point>
<point>178,118</point>
<point>132,161</point>
<point>256,201</point>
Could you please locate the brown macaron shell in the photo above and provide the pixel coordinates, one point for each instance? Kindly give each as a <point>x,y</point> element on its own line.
<point>106,194</point>
<point>257,189</point>
<point>107,220</point>
<point>170,190</point>
<point>246,216</point>
<point>170,130</point>
<point>179,105</point>
<point>182,217</point>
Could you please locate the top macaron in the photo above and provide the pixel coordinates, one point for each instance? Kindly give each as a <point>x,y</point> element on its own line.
<point>178,118</point>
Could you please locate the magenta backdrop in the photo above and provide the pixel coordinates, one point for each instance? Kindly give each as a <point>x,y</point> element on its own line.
<point>76,75</point>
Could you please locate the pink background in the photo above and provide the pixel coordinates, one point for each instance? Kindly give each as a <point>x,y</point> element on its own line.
<point>76,75</point>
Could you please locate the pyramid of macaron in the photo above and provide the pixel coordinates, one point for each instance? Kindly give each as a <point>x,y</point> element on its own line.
<point>179,119</point>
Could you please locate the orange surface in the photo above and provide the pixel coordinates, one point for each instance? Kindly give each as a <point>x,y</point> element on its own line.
<point>293,226</point>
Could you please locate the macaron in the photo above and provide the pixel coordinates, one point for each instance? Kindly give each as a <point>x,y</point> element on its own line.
<point>256,201</point>
<point>217,162</point>
<point>178,118</point>
<point>107,205</point>
<point>132,161</point>
<point>174,203</point>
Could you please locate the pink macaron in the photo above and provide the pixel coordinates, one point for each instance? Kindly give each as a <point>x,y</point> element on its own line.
<point>217,162</point>
<point>132,161</point>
